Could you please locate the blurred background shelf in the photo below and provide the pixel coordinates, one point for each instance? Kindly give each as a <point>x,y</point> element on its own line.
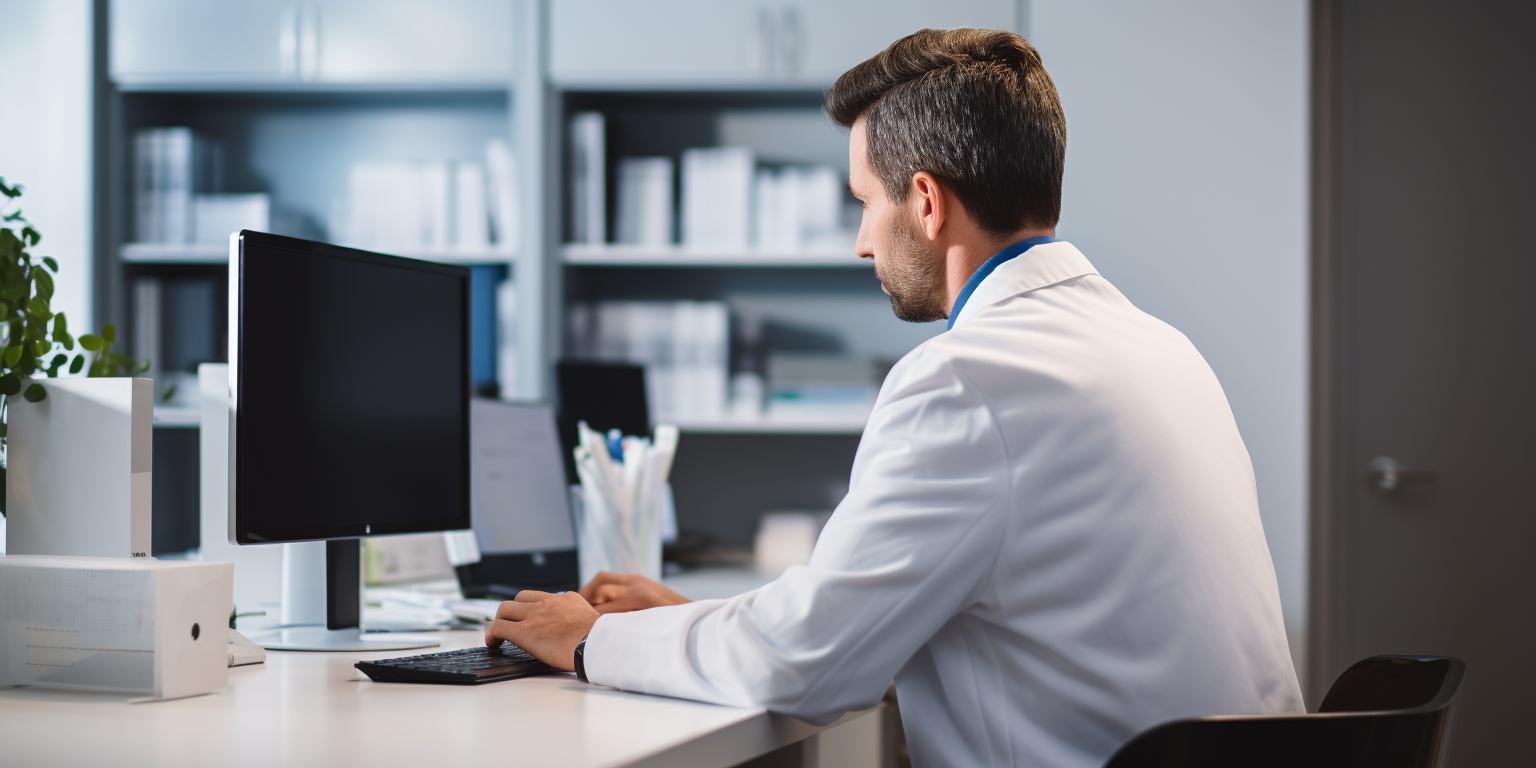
<point>680,256</point>
<point>169,253</point>
<point>841,424</point>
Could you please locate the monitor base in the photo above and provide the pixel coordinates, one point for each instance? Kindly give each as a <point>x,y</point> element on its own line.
<point>318,638</point>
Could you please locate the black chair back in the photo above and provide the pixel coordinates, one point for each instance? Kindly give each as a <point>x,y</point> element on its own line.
<point>1383,712</point>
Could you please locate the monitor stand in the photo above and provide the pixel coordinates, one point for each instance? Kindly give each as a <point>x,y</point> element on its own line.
<point>342,630</point>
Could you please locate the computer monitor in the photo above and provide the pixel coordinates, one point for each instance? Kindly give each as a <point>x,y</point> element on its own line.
<point>521,503</point>
<point>349,391</point>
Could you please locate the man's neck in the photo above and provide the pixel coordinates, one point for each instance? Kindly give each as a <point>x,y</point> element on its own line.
<point>962,259</point>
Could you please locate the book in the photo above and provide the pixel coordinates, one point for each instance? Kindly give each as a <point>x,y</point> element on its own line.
<point>645,209</point>
<point>588,193</point>
<point>171,166</point>
<point>717,196</point>
<point>502,199</point>
<point>471,216</point>
<point>683,345</point>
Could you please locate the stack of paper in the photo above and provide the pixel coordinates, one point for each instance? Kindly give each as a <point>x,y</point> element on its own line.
<point>683,345</point>
<point>623,481</point>
<point>645,201</point>
<point>717,197</point>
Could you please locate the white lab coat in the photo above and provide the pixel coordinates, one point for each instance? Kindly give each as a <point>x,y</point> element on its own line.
<point>1051,541</point>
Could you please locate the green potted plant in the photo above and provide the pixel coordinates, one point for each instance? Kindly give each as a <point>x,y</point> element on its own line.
<point>34,340</point>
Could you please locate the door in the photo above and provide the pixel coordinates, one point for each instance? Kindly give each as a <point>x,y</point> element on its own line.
<point>1424,277</point>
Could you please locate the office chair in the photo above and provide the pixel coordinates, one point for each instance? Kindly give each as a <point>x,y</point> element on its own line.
<point>1383,712</point>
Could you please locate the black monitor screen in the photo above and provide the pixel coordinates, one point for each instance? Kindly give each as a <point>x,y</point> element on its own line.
<point>351,384</point>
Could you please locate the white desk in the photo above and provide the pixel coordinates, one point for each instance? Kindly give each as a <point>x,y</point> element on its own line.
<point>314,709</point>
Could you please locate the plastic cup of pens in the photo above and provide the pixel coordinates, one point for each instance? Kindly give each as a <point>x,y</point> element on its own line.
<point>623,485</point>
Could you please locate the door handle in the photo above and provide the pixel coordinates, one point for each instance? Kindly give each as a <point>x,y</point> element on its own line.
<point>1385,475</point>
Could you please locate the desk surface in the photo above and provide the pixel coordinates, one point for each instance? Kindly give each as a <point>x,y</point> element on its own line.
<point>301,709</point>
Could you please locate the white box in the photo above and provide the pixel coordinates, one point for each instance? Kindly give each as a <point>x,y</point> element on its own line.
<point>214,217</point>
<point>79,469</point>
<point>153,627</point>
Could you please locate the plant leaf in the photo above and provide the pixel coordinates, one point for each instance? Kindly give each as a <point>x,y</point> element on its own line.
<point>109,332</point>
<point>31,235</point>
<point>90,342</point>
<point>13,291</point>
<point>76,364</point>
<point>35,393</point>
<point>52,264</point>
<point>44,283</point>
<point>42,347</point>
<point>10,384</point>
<point>12,356</point>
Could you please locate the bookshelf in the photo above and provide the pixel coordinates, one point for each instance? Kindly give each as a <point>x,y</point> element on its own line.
<point>293,95</point>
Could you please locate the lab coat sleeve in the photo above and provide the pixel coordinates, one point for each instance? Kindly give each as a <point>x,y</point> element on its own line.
<point>909,547</point>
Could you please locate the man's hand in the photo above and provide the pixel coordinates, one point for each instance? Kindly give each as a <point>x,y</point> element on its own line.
<point>546,626</point>
<point>621,592</point>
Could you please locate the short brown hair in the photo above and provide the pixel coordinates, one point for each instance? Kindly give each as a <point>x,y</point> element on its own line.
<point>973,107</point>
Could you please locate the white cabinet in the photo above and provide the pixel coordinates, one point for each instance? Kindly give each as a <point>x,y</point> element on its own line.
<point>402,41</point>
<point>729,43</point>
<point>838,35</point>
<point>200,42</point>
<point>253,42</point>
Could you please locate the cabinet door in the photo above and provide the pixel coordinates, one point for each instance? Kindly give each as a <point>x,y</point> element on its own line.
<point>685,43</point>
<point>821,39</point>
<point>196,41</point>
<point>404,41</point>
<point>656,42</point>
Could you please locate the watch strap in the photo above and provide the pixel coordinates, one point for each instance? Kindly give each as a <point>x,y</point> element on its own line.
<point>581,666</point>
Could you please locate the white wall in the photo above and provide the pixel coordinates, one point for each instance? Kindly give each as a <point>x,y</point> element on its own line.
<point>1186,185</point>
<point>45,138</point>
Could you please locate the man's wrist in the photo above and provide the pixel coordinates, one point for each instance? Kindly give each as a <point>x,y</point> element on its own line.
<point>581,666</point>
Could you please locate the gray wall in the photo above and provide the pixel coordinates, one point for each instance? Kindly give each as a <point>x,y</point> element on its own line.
<point>1186,187</point>
<point>45,138</point>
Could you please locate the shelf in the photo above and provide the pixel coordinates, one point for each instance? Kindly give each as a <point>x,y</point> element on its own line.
<point>832,424</point>
<point>180,417</point>
<point>678,256</point>
<point>258,87</point>
<point>169,253</point>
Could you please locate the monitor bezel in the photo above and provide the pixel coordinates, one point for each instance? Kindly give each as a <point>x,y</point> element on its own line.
<point>238,530</point>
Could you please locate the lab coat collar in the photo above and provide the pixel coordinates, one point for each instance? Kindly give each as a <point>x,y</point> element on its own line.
<point>1048,261</point>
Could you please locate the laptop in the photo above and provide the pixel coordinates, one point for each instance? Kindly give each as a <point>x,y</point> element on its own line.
<point>519,503</point>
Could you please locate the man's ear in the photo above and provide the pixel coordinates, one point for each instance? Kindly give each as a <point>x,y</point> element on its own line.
<point>930,203</point>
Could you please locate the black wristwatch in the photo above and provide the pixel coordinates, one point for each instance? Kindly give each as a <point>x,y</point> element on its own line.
<point>581,666</point>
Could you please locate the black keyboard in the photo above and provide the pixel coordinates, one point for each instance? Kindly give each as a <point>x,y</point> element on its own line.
<point>469,666</point>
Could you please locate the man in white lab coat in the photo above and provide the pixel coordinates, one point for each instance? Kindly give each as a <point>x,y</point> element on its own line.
<point>1051,538</point>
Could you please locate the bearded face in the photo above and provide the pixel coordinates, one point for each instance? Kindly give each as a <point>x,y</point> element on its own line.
<point>912,272</point>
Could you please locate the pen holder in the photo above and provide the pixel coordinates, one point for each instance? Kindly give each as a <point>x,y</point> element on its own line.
<point>604,548</point>
<point>619,507</point>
